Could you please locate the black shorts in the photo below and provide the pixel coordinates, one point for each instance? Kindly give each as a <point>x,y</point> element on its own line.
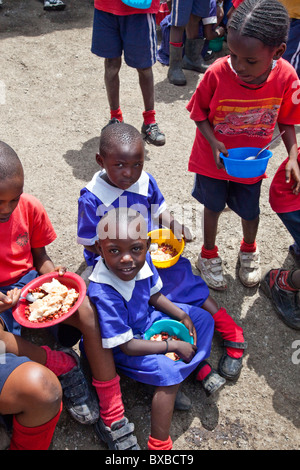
<point>214,194</point>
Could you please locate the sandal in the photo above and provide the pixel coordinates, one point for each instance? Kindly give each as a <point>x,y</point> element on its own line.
<point>212,382</point>
<point>230,367</point>
<point>119,436</point>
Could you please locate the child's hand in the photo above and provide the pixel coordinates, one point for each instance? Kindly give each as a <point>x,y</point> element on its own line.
<point>60,270</point>
<point>10,299</point>
<point>292,171</point>
<point>185,351</point>
<point>217,148</point>
<point>190,326</point>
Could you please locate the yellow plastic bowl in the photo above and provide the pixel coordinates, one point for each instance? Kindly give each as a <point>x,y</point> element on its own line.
<point>164,235</point>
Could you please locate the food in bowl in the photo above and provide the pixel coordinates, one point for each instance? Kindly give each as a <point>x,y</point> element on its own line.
<point>53,299</point>
<point>164,336</point>
<point>162,252</point>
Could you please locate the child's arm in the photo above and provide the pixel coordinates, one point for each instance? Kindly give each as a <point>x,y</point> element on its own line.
<point>292,167</point>
<point>216,146</point>
<point>43,264</point>
<point>167,220</point>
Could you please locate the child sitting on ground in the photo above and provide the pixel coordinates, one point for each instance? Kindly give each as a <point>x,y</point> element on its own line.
<point>124,183</point>
<point>25,230</point>
<point>125,289</point>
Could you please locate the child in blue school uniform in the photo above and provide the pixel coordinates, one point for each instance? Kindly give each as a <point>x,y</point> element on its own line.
<point>123,182</point>
<point>126,291</point>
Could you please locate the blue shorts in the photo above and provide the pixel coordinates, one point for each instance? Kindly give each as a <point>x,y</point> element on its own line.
<point>133,34</point>
<point>182,10</point>
<point>8,363</point>
<point>214,194</point>
<point>292,222</point>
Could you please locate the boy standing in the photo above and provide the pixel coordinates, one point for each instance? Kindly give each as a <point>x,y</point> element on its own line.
<point>118,27</point>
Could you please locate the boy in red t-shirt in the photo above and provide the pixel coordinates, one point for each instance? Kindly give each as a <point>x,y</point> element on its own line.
<point>25,230</point>
<point>117,28</point>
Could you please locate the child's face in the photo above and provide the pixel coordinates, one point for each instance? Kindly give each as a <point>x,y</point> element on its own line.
<point>123,164</point>
<point>250,58</point>
<point>123,257</point>
<point>10,192</point>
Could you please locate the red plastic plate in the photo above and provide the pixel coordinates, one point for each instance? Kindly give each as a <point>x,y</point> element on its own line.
<point>69,279</point>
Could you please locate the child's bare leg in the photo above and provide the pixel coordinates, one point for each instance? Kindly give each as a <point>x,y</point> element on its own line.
<point>112,81</point>
<point>162,411</point>
<point>211,219</point>
<point>101,361</point>
<point>146,82</point>
<point>250,228</point>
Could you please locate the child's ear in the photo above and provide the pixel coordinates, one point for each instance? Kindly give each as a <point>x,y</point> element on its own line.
<point>99,160</point>
<point>98,248</point>
<point>279,51</point>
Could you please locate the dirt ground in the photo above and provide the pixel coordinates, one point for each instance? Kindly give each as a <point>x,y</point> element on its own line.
<point>52,107</point>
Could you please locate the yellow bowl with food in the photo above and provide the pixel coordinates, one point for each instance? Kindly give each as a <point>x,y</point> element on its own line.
<point>165,249</point>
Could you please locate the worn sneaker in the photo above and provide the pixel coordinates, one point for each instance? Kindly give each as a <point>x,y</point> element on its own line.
<point>153,135</point>
<point>249,272</point>
<point>119,436</point>
<point>212,272</point>
<point>54,5</point>
<point>285,302</point>
<point>212,382</point>
<point>79,399</point>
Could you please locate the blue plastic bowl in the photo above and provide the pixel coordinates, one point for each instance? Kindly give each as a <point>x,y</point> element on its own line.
<point>237,165</point>
<point>143,4</point>
<point>172,327</point>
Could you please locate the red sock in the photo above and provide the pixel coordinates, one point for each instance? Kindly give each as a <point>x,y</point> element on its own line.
<point>248,247</point>
<point>230,331</point>
<point>208,254</point>
<point>116,113</point>
<point>203,372</point>
<point>176,44</point>
<point>36,438</point>
<point>149,117</point>
<point>110,400</point>
<point>59,362</point>
<point>156,444</point>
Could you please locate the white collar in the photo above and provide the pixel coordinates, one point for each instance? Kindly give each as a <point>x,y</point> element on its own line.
<point>274,62</point>
<point>101,274</point>
<point>108,193</point>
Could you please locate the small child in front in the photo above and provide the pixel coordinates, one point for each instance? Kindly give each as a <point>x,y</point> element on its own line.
<point>125,289</point>
<point>122,182</point>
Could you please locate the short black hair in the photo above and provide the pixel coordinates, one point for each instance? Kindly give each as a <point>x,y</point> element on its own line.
<point>266,20</point>
<point>10,164</point>
<point>118,133</point>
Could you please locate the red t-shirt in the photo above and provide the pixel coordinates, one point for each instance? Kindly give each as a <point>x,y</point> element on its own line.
<point>117,7</point>
<point>281,195</point>
<point>28,227</point>
<point>241,115</point>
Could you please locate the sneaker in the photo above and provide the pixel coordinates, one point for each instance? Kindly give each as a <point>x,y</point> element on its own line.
<point>54,5</point>
<point>182,402</point>
<point>119,436</point>
<point>153,135</point>
<point>285,302</point>
<point>249,272</point>
<point>294,251</point>
<point>79,399</point>
<point>212,272</point>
